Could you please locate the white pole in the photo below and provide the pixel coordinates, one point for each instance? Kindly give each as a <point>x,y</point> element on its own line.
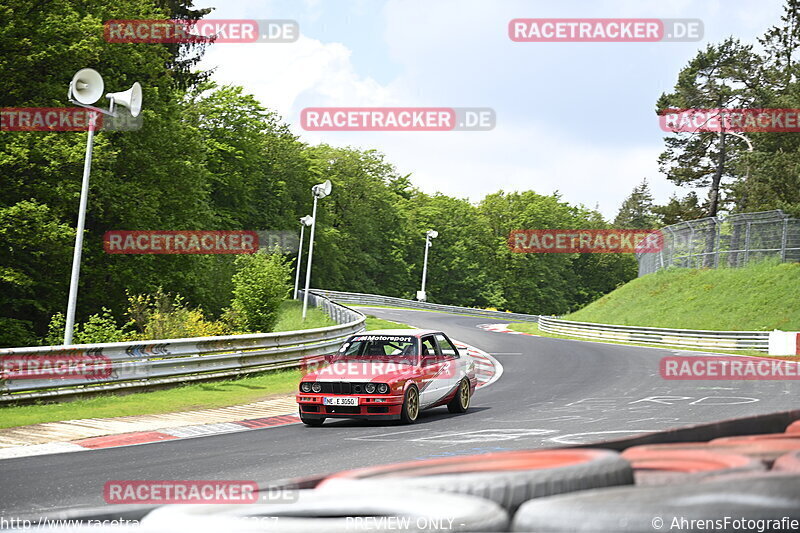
<point>425,263</point>
<point>310,254</point>
<point>76,256</point>
<point>299,258</point>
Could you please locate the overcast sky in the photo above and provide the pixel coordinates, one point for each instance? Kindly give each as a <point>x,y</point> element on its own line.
<point>574,117</point>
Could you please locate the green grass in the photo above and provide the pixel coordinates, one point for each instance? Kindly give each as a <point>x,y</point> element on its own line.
<point>374,323</point>
<point>759,297</point>
<point>188,397</point>
<point>290,317</point>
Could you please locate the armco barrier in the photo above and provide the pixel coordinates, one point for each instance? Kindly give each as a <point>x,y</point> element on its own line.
<point>695,338</point>
<point>125,365</point>
<point>355,298</point>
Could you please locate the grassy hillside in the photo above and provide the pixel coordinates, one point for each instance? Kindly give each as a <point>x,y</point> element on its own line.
<point>763,296</point>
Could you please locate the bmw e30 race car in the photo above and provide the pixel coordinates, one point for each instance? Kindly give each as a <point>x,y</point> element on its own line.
<point>388,375</point>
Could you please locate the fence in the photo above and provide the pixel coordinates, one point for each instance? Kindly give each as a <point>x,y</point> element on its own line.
<point>732,241</point>
<point>694,338</point>
<point>125,365</point>
<point>356,298</point>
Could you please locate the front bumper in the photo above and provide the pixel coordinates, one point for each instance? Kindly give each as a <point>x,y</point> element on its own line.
<point>370,406</point>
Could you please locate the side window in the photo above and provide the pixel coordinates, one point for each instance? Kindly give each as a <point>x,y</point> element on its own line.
<point>449,351</point>
<point>429,351</point>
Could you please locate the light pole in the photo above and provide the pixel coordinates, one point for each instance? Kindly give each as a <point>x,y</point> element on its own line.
<point>430,234</point>
<point>319,191</point>
<point>85,89</point>
<point>305,221</point>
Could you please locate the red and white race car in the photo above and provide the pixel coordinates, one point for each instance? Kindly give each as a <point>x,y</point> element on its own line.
<point>388,375</point>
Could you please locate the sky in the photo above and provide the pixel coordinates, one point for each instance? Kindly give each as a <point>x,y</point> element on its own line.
<point>577,118</point>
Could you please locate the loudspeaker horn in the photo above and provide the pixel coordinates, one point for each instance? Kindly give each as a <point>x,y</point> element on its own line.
<point>132,99</point>
<point>86,86</point>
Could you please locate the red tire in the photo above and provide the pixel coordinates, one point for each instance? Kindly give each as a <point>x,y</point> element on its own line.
<point>747,439</point>
<point>794,427</point>
<point>788,462</point>
<point>766,450</point>
<point>659,467</point>
<point>508,478</point>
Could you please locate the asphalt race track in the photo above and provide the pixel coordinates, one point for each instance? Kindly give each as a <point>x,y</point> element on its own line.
<point>553,392</point>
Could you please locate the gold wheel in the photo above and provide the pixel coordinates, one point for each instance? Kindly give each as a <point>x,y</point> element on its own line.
<point>464,394</point>
<point>411,406</point>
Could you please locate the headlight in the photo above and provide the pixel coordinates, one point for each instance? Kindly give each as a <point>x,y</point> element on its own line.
<point>383,388</point>
<point>316,387</point>
<point>370,388</point>
<point>305,386</point>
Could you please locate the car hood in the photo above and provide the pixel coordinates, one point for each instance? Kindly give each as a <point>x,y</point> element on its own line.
<point>383,371</point>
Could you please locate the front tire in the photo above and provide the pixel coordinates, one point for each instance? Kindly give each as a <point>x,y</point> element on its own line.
<point>311,422</point>
<point>410,410</point>
<point>460,402</point>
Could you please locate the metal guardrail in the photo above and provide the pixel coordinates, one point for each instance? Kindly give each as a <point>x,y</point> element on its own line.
<point>126,365</point>
<point>356,298</point>
<point>694,338</point>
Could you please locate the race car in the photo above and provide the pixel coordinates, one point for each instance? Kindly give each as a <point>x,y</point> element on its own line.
<point>388,375</point>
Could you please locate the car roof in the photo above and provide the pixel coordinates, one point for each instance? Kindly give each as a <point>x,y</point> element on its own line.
<point>404,332</point>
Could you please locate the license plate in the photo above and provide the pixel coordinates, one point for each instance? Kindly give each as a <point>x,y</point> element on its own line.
<point>341,400</point>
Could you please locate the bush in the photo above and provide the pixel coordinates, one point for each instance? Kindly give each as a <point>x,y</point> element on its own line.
<point>164,316</point>
<point>261,283</point>
<point>101,327</point>
<point>14,333</point>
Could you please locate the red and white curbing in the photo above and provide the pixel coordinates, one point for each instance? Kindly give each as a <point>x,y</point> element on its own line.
<point>503,328</point>
<point>487,368</point>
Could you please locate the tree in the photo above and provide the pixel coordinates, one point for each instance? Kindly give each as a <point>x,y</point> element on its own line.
<point>262,282</point>
<point>772,171</point>
<point>636,211</point>
<point>679,209</point>
<point>721,76</point>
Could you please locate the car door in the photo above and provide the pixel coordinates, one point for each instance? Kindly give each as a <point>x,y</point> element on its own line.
<point>431,366</point>
<point>452,369</point>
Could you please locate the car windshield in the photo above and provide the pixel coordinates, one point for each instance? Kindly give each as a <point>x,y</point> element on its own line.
<point>394,347</point>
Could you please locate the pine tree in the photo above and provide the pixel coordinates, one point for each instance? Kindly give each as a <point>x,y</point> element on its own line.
<point>637,210</point>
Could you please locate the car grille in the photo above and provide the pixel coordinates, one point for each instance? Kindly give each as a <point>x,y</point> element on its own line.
<point>337,387</point>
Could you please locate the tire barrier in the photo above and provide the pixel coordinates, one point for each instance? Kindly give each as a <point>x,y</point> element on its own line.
<point>508,478</point>
<point>788,462</point>
<point>338,512</point>
<point>746,439</point>
<point>660,467</point>
<point>716,504</point>
<point>764,450</point>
